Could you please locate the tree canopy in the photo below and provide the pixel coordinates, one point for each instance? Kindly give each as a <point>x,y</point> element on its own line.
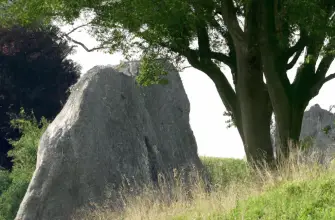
<point>254,38</point>
<point>34,74</point>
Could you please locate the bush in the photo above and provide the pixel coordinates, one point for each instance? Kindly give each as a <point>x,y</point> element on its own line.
<point>24,155</point>
<point>4,180</point>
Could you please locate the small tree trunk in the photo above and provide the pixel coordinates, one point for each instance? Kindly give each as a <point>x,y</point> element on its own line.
<point>289,131</point>
<point>288,100</point>
<point>289,127</point>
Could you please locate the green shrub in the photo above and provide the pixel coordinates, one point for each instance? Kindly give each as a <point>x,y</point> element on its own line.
<point>24,155</point>
<point>4,180</point>
<point>223,171</point>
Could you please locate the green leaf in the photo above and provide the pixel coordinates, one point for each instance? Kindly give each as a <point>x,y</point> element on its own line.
<point>151,71</point>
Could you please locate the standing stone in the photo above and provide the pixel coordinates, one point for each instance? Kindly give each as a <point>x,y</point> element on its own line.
<point>110,130</point>
<point>314,125</point>
<point>315,121</point>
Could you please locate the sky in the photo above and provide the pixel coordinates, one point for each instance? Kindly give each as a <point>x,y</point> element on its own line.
<point>206,116</point>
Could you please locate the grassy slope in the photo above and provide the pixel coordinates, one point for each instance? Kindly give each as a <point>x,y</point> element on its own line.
<point>308,193</point>
<point>295,200</point>
<point>296,191</point>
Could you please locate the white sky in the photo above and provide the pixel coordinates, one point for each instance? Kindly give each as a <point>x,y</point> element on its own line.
<point>206,116</point>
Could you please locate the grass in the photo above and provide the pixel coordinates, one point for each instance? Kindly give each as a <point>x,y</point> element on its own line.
<point>300,188</point>
<point>293,200</point>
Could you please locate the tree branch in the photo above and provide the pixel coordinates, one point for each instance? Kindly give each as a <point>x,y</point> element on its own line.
<point>76,28</point>
<point>186,67</point>
<point>230,59</point>
<point>68,52</point>
<point>228,12</point>
<point>207,66</point>
<point>326,60</point>
<point>299,46</point>
<point>308,80</point>
<point>319,83</point>
<point>203,41</point>
<point>84,46</point>
<point>204,45</point>
<point>205,52</point>
<point>324,65</point>
<point>226,92</point>
<point>328,78</point>
<point>221,57</point>
<point>67,36</point>
<point>220,28</point>
<point>295,59</point>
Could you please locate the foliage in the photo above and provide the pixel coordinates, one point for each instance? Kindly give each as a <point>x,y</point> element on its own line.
<point>4,180</point>
<point>34,74</point>
<point>24,155</point>
<point>230,121</point>
<point>151,71</point>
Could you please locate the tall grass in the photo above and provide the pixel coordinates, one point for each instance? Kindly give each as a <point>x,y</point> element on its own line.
<point>291,191</point>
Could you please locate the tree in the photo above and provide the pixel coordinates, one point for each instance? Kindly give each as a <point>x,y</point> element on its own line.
<point>34,74</point>
<point>254,38</point>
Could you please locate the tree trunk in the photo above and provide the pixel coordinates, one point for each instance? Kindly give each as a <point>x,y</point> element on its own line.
<point>275,74</point>
<point>256,113</point>
<point>253,101</point>
<point>253,110</point>
<point>289,132</point>
<point>256,128</point>
<point>290,117</point>
<point>297,114</point>
<point>253,97</point>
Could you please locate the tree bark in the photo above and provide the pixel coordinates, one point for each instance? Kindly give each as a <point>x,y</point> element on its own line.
<point>275,74</point>
<point>255,110</point>
<point>251,109</point>
<point>250,102</point>
<point>301,92</point>
<point>252,95</point>
<point>289,138</point>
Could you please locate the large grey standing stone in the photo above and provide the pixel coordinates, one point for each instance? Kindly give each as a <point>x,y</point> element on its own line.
<point>109,130</point>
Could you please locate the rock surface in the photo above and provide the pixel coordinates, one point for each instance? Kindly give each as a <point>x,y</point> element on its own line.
<point>109,130</point>
<point>314,122</point>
